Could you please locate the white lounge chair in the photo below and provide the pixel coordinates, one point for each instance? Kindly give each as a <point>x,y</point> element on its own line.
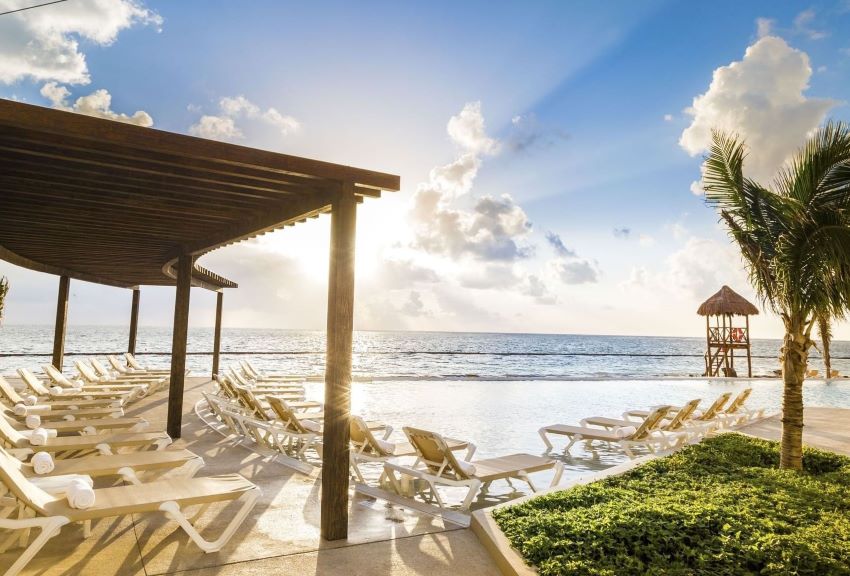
<point>644,434</point>
<point>169,497</point>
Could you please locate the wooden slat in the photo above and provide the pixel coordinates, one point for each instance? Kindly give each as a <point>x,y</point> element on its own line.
<point>48,121</point>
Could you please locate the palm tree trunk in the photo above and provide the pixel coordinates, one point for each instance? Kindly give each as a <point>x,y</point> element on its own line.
<point>825,331</point>
<point>795,357</point>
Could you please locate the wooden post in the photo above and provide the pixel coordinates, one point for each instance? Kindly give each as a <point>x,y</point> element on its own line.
<point>178,344</point>
<point>61,322</point>
<point>219,303</point>
<point>708,369</point>
<point>134,321</point>
<point>335,466</point>
<point>749,353</point>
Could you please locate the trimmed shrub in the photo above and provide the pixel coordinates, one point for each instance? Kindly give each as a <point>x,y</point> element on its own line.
<point>721,507</point>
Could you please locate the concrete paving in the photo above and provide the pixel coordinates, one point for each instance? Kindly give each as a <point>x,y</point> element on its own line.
<point>825,428</point>
<point>281,536</point>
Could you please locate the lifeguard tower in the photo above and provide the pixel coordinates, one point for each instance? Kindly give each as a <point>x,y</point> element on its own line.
<point>723,337</point>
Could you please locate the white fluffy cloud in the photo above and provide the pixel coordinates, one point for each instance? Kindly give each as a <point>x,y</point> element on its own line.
<point>44,44</point>
<point>223,126</point>
<point>98,103</point>
<point>761,98</point>
<point>494,229</point>
<point>702,265</point>
<point>804,24</point>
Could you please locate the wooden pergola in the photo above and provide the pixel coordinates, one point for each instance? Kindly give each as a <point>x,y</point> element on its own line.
<point>101,201</point>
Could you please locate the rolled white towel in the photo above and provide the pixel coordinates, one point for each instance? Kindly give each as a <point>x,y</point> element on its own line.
<point>58,485</point>
<point>89,431</point>
<point>80,494</point>
<point>42,463</point>
<point>72,407</point>
<point>20,410</point>
<point>30,400</point>
<point>39,436</point>
<point>625,431</point>
<point>311,425</point>
<point>33,421</point>
<point>69,417</point>
<point>387,447</point>
<point>56,390</point>
<point>467,468</point>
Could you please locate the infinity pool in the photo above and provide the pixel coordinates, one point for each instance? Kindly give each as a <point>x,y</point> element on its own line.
<point>503,416</point>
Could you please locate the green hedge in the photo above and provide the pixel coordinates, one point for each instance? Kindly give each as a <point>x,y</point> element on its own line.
<point>721,507</point>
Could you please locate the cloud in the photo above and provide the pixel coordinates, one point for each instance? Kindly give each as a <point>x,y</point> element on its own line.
<point>44,44</point>
<point>568,265</point>
<point>803,26</point>
<point>668,117</point>
<point>404,273</point>
<point>467,130</point>
<point>646,240</point>
<point>414,306</point>
<point>490,277</point>
<point>638,278</point>
<point>761,98</point>
<point>98,104</point>
<point>537,289</point>
<point>702,266</point>
<point>223,126</point>
<point>622,232</point>
<point>764,27</point>
<point>493,229</point>
<point>557,244</point>
<point>528,134</point>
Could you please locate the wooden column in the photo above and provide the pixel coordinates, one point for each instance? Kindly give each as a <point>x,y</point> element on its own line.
<point>178,344</point>
<point>61,322</point>
<point>335,467</point>
<point>219,303</point>
<point>134,321</point>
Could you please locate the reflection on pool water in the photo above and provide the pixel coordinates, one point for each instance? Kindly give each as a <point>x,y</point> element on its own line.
<point>503,417</point>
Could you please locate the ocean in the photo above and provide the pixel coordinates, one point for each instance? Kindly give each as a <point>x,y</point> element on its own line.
<point>409,355</point>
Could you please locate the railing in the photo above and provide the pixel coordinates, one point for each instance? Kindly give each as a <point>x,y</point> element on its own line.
<point>728,335</point>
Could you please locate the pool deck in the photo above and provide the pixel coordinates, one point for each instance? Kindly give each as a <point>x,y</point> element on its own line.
<point>825,428</point>
<point>280,536</point>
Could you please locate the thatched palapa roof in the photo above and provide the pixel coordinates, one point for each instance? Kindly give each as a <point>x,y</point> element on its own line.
<point>727,301</point>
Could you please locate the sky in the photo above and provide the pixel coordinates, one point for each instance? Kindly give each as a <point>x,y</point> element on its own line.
<point>549,152</point>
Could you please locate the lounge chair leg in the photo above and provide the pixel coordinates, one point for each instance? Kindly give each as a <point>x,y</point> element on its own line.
<point>467,502</point>
<point>546,441</point>
<point>163,443</point>
<point>559,471</point>
<point>172,511</point>
<point>50,527</point>
<point>523,476</point>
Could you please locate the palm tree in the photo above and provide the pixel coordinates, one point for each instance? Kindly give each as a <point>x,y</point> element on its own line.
<point>4,289</point>
<point>825,331</point>
<point>795,239</point>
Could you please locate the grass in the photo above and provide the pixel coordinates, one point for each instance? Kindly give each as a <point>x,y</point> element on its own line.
<point>721,507</point>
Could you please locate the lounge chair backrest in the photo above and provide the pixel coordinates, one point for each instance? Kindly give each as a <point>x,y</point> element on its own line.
<point>10,436</point>
<point>651,424</point>
<point>238,378</point>
<point>738,403</point>
<point>86,371</point>
<point>363,439</point>
<point>251,402</point>
<point>34,383</point>
<point>116,363</point>
<point>718,404</point>
<point>9,392</point>
<point>99,369</point>
<point>24,490</point>
<point>286,415</point>
<point>57,376</point>
<point>682,415</point>
<point>248,369</point>
<point>226,387</point>
<point>132,362</point>
<point>253,369</point>
<point>434,452</point>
